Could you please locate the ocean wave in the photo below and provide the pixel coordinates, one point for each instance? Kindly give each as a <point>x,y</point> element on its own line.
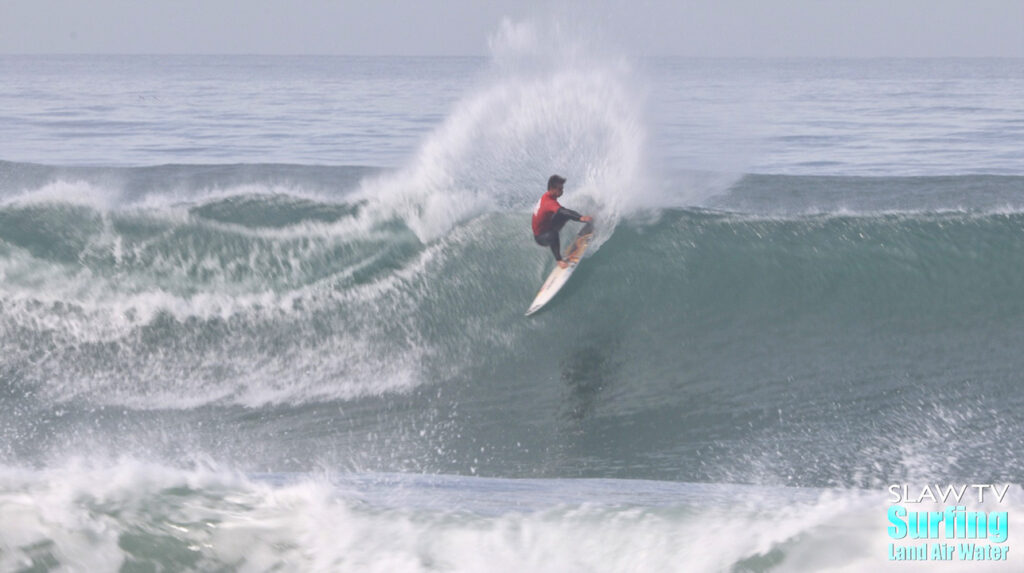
<point>735,331</point>
<point>135,514</point>
<point>236,269</point>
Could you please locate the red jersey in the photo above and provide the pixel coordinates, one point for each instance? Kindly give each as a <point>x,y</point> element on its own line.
<point>544,212</point>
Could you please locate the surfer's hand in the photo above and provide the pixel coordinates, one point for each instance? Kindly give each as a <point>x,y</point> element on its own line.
<point>563,264</point>
<point>586,218</point>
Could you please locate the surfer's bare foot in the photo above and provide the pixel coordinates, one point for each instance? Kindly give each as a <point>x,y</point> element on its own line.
<point>563,264</point>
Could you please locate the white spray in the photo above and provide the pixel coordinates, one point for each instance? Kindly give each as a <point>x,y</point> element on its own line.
<point>543,107</point>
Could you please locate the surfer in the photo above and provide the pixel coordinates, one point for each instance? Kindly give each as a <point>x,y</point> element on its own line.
<point>549,217</point>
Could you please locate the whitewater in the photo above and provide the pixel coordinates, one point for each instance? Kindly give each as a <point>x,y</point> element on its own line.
<point>266,313</point>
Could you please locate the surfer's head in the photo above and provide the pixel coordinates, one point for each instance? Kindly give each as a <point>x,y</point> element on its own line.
<point>556,184</point>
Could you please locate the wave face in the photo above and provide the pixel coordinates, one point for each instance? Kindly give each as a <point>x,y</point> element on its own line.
<point>687,346</point>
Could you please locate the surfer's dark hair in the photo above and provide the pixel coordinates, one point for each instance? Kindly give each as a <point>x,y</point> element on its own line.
<point>555,181</point>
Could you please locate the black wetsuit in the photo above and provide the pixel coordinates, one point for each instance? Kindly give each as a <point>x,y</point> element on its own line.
<point>550,237</point>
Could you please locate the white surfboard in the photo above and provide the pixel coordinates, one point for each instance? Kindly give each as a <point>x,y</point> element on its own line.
<point>558,277</point>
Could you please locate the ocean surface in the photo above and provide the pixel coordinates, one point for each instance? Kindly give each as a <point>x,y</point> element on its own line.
<point>266,313</point>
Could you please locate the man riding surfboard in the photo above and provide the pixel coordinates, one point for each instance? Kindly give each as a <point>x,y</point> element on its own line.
<point>549,217</point>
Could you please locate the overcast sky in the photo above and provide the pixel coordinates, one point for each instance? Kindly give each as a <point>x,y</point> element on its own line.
<point>856,28</point>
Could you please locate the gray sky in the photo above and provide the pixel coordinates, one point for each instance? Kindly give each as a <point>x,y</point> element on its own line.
<point>856,28</point>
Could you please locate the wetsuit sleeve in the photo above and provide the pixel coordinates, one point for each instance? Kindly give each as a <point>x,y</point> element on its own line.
<point>564,213</point>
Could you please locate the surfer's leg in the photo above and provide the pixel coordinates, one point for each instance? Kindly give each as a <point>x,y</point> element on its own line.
<point>550,239</point>
<point>556,248</point>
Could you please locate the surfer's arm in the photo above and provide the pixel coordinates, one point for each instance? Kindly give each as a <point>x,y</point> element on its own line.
<point>564,213</point>
<point>570,214</point>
